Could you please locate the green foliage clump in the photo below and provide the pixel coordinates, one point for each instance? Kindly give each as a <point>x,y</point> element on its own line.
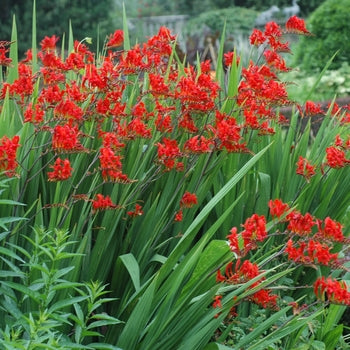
<point>236,18</point>
<point>40,307</point>
<point>331,27</point>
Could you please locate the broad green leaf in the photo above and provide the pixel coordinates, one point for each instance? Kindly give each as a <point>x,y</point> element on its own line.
<point>130,263</point>
<point>331,338</point>
<point>126,30</point>
<point>13,69</point>
<point>138,320</point>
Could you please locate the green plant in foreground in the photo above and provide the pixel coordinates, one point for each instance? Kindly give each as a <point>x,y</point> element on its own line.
<point>148,164</point>
<point>40,307</point>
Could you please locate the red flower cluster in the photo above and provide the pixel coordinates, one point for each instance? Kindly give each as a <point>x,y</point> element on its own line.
<point>336,157</point>
<point>332,290</point>
<point>62,170</point>
<point>65,139</point>
<point>330,230</point>
<point>102,203</point>
<point>116,39</point>
<point>305,169</point>
<point>34,115</point>
<point>4,60</point>
<point>8,149</point>
<point>111,166</point>
<point>310,242</point>
<point>277,208</point>
<point>244,272</point>
<point>296,25</point>
<point>310,252</point>
<point>188,200</point>
<point>312,108</point>
<point>254,232</point>
<point>168,152</point>
<point>300,224</point>
<point>229,57</point>
<point>136,212</point>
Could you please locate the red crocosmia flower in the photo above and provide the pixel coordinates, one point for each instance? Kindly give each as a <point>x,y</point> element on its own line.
<point>83,51</point>
<point>275,61</point>
<point>257,37</point>
<point>265,299</point>
<point>296,254</point>
<point>168,151</point>
<point>138,128</point>
<point>111,166</point>
<point>116,39</point>
<point>65,138</point>
<point>188,200</point>
<point>23,86</point>
<point>338,141</point>
<point>62,170</point>
<point>330,229</point>
<point>67,109</point>
<point>244,272</point>
<point>49,43</point>
<point>217,301</point>
<point>34,115</point>
<point>336,157</point>
<point>179,215</point>
<point>304,168</point>
<point>312,108</point>
<point>52,64</point>
<point>233,240</point>
<point>186,122</point>
<point>311,252</point>
<point>164,123</point>
<point>28,56</point>
<point>272,29</point>
<point>4,61</point>
<point>205,66</point>
<point>110,140</point>
<point>157,84</point>
<point>320,253</point>
<point>136,212</point>
<point>228,133</point>
<point>8,149</point>
<point>220,277</point>
<point>217,304</point>
<point>254,231</point>
<point>332,290</point>
<point>296,25</point>
<point>228,58</point>
<point>180,167</point>
<point>265,129</point>
<point>102,203</point>
<point>199,144</point>
<point>277,208</point>
<point>300,224</point>
<point>51,95</point>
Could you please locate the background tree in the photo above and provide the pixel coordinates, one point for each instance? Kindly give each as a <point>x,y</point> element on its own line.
<point>195,7</point>
<point>90,18</point>
<point>331,27</point>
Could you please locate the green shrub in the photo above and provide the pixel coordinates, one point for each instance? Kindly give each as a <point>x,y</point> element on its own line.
<point>237,19</point>
<point>331,27</point>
